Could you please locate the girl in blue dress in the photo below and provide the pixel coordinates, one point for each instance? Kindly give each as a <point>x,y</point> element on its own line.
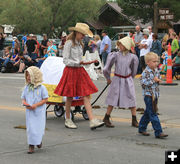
<point>34,98</point>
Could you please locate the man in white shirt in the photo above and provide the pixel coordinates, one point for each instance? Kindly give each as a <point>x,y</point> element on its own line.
<point>105,47</point>
<point>150,35</point>
<point>144,47</point>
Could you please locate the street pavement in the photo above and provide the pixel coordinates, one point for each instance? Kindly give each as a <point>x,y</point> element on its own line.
<point>119,145</point>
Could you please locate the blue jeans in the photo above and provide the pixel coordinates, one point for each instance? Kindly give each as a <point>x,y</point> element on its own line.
<point>7,60</point>
<point>104,57</point>
<point>138,55</point>
<point>175,69</point>
<point>150,116</point>
<point>1,53</point>
<point>33,56</point>
<point>39,63</point>
<point>1,61</point>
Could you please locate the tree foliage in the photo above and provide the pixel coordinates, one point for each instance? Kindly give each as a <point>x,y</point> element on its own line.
<point>143,9</point>
<point>46,16</point>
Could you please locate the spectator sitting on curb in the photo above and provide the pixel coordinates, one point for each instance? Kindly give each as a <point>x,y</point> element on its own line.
<point>41,60</point>
<point>7,55</point>
<point>52,49</point>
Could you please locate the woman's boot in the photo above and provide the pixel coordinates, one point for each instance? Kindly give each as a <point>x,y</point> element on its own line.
<point>134,122</point>
<point>107,121</point>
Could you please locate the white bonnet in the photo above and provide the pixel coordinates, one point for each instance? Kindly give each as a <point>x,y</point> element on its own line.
<point>35,75</point>
<point>127,42</point>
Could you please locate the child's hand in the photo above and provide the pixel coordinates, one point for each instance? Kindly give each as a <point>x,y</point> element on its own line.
<point>157,80</point>
<point>34,106</point>
<point>96,61</point>
<point>26,105</point>
<point>81,62</point>
<point>109,81</point>
<point>90,62</point>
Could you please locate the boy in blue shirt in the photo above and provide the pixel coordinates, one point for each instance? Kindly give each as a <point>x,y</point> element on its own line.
<point>150,84</point>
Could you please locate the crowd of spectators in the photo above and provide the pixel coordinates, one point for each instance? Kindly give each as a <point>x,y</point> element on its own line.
<point>30,52</point>
<point>147,41</point>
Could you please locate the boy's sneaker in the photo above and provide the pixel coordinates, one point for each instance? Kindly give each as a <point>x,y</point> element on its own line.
<point>95,123</point>
<point>144,133</point>
<point>70,124</point>
<point>162,136</point>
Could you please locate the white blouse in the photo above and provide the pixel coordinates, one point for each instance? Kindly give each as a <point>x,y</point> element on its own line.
<point>72,55</point>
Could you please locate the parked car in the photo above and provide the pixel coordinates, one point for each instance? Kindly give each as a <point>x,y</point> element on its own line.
<point>39,38</point>
<point>19,36</point>
<point>116,38</point>
<point>8,41</point>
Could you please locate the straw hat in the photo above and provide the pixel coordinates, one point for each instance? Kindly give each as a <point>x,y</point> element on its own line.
<point>35,75</point>
<point>82,28</point>
<point>127,42</point>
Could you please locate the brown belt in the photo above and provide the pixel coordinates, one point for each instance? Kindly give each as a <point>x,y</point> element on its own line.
<point>122,76</point>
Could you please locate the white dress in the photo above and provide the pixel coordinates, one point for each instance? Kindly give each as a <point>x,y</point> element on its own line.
<point>35,119</point>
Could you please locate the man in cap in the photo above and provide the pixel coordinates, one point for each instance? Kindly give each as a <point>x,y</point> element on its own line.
<point>150,35</point>
<point>105,47</point>
<point>137,39</point>
<point>144,47</point>
<point>62,43</point>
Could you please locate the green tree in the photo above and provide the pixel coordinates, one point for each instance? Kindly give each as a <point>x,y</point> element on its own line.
<point>143,9</point>
<point>46,16</point>
<point>26,15</point>
<point>66,13</point>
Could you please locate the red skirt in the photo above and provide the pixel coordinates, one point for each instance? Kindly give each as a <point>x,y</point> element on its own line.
<point>75,81</point>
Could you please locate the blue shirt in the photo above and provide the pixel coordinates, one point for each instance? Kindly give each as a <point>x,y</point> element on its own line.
<point>166,57</point>
<point>46,55</point>
<point>105,41</point>
<point>24,38</point>
<point>156,47</point>
<point>149,86</point>
<point>138,37</point>
<point>52,48</point>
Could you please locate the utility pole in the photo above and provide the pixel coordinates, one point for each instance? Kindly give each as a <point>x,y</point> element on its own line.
<point>155,21</point>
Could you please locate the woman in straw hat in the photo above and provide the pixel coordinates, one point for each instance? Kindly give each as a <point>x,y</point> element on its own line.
<point>75,81</point>
<point>122,91</point>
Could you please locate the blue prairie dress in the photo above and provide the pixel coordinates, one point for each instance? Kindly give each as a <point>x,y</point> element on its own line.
<point>35,119</point>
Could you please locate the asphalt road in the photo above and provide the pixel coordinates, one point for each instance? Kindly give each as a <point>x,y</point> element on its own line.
<point>120,145</point>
